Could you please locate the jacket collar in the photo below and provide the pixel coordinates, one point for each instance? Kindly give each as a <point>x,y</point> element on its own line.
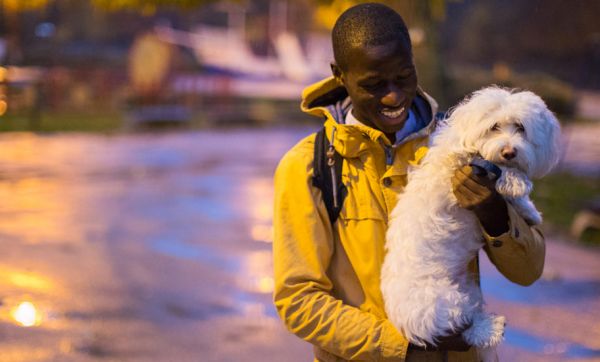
<point>326,99</point>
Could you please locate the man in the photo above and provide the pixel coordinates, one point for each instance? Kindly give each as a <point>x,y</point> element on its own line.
<point>379,121</point>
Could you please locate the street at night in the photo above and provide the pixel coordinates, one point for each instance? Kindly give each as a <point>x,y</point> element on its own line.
<point>139,247</point>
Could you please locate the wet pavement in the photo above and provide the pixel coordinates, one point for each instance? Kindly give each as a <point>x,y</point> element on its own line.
<point>157,247</point>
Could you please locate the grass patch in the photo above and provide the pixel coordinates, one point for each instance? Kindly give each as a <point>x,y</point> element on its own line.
<point>62,122</point>
<point>560,196</point>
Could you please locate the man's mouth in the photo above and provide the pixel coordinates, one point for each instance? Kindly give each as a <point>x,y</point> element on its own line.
<point>393,113</point>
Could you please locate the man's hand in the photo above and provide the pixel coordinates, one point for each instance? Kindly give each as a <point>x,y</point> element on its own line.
<point>474,191</point>
<point>454,342</point>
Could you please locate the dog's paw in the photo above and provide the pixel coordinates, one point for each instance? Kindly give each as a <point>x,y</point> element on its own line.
<point>513,183</point>
<point>486,331</point>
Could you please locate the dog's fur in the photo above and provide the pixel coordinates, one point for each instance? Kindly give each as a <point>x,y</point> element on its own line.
<point>426,286</point>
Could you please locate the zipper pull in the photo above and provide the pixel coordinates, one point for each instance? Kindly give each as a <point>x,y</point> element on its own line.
<point>389,155</point>
<point>331,163</point>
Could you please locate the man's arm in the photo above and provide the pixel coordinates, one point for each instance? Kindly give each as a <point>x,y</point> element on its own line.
<point>302,249</point>
<point>515,248</point>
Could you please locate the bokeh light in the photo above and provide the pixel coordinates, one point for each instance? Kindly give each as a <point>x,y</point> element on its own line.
<point>27,314</point>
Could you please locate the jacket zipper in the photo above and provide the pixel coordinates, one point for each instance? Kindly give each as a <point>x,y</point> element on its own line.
<point>389,155</point>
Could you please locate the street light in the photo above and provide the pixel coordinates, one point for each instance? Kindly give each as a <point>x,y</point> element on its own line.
<point>3,100</point>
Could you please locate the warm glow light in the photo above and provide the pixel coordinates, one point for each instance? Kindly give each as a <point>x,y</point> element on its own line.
<point>257,272</point>
<point>29,281</point>
<point>26,314</point>
<point>417,35</point>
<point>20,5</point>
<point>26,279</point>
<point>52,209</point>
<point>262,233</point>
<point>265,285</point>
<point>3,107</point>
<point>327,14</point>
<point>259,197</point>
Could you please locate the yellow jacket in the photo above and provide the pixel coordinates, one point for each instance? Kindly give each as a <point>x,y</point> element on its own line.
<point>327,278</point>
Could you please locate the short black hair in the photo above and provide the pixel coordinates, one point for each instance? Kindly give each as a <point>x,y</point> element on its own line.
<point>368,24</point>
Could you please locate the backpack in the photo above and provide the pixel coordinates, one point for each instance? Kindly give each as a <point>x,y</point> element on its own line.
<point>327,175</point>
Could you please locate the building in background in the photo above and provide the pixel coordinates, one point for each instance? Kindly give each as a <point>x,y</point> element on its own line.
<point>252,58</point>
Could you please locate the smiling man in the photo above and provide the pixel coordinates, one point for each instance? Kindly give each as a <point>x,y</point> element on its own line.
<point>327,269</point>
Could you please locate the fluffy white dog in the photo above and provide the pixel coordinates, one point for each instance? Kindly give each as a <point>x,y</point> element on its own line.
<point>427,289</point>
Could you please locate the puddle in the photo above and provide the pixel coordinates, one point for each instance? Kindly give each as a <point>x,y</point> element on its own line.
<point>168,245</point>
<point>540,345</point>
<point>250,294</point>
<point>207,209</point>
<point>251,305</point>
<point>202,311</point>
<point>542,292</point>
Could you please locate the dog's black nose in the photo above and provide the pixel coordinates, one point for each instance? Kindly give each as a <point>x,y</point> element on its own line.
<point>508,153</point>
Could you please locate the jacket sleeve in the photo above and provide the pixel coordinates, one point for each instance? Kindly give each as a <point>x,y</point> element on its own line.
<point>519,253</point>
<point>302,250</point>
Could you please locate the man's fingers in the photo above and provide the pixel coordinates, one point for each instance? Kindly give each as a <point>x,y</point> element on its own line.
<point>465,197</point>
<point>463,173</point>
<point>467,175</point>
<point>476,187</point>
<point>460,176</point>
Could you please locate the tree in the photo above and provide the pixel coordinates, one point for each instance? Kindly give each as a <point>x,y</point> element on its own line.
<point>147,7</point>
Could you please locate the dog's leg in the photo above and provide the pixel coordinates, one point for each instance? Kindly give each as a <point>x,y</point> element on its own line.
<point>416,311</point>
<point>487,330</point>
<point>525,207</point>
<point>424,309</point>
<point>515,187</point>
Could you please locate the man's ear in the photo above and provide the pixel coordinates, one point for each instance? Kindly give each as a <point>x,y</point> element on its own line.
<point>337,72</point>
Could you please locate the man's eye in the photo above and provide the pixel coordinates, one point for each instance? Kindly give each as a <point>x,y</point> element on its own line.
<point>373,85</point>
<point>404,77</point>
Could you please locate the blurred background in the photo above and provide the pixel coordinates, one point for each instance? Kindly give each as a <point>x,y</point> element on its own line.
<point>139,138</point>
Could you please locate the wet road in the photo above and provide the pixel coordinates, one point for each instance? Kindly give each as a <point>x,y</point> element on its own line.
<point>157,248</point>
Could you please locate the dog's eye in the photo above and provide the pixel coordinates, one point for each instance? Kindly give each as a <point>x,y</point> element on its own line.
<point>495,127</point>
<point>520,128</point>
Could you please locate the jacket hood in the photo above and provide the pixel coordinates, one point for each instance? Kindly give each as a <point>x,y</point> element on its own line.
<point>328,99</point>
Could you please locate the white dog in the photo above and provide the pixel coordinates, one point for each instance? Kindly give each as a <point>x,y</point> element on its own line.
<point>427,289</point>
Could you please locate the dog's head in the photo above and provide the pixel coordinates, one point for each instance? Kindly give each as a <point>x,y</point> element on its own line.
<point>509,128</point>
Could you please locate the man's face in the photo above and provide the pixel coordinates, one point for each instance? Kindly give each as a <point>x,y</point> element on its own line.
<point>382,83</point>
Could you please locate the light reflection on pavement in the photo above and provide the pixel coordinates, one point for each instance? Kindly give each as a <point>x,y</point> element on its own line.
<point>140,247</point>
<point>158,247</point>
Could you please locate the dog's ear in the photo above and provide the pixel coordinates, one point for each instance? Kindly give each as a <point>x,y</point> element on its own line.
<point>547,140</point>
<point>542,130</point>
<point>471,116</point>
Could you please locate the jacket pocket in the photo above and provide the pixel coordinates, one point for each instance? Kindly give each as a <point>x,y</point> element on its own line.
<point>361,203</point>
<point>364,198</point>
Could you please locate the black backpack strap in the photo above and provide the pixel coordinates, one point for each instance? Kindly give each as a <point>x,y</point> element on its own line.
<point>327,175</point>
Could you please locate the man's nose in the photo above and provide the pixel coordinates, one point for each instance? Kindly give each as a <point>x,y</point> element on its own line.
<point>392,98</point>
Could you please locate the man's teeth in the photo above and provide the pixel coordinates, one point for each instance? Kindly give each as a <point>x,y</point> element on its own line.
<point>393,114</point>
